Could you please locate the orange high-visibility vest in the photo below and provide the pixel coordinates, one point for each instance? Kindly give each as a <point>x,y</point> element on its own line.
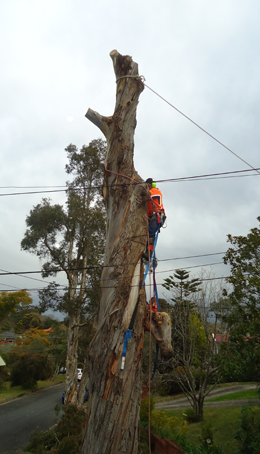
<point>156,197</point>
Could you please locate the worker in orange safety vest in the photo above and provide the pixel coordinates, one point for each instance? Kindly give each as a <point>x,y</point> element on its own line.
<point>155,213</point>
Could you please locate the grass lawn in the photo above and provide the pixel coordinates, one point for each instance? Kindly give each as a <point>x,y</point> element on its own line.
<point>249,394</point>
<point>11,393</point>
<point>224,423</point>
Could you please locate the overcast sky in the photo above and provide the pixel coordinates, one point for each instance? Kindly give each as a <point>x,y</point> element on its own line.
<point>203,57</point>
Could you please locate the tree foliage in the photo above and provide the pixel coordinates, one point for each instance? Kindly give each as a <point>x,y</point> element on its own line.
<point>29,320</point>
<point>193,365</point>
<point>29,368</point>
<point>10,302</point>
<point>71,239</point>
<point>244,259</point>
<point>243,317</point>
<point>181,285</point>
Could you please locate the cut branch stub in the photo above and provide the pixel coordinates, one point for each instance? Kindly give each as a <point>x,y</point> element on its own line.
<point>161,331</point>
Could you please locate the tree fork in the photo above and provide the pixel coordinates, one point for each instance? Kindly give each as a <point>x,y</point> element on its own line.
<point>112,420</point>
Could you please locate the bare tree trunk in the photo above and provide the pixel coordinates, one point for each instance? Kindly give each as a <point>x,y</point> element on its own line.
<point>112,422</point>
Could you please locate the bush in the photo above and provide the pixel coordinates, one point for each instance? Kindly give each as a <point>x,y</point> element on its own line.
<point>4,376</point>
<point>143,445</point>
<point>144,410</point>
<point>207,435</point>
<point>29,368</point>
<point>190,416</point>
<point>170,385</point>
<point>248,434</point>
<point>167,427</point>
<point>65,438</point>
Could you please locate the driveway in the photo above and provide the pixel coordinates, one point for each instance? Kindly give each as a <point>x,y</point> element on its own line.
<point>183,402</point>
<point>21,416</point>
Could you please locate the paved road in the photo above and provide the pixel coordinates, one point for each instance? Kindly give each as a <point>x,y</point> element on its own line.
<point>20,417</point>
<point>183,402</point>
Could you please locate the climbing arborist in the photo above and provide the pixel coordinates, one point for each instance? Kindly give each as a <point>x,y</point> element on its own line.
<point>155,213</point>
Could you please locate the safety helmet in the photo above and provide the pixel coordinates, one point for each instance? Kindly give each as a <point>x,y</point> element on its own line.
<point>151,182</point>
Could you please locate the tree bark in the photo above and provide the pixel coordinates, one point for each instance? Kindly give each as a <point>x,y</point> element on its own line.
<point>112,421</point>
<point>71,360</point>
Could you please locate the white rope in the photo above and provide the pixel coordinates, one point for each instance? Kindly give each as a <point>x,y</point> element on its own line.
<point>142,78</point>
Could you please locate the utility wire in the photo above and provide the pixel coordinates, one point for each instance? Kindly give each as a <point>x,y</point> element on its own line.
<point>8,273</point>
<point>12,286</point>
<point>160,272</point>
<point>212,176</point>
<point>119,286</point>
<point>26,277</point>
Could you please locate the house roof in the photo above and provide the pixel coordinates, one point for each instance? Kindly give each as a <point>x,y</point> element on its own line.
<point>8,334</point>
<point>49,330</point>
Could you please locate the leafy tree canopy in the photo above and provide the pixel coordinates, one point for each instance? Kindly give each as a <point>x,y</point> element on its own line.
<point>10,302</point>
<point>71,238</point>
<point>30,320</point>
<point>244,258</point>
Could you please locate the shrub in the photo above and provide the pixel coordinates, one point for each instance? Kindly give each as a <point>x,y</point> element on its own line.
<point>65,438</point>
<point>143,445</point>
<point>190,416</point>
<point>167,427</point>
<point>29,368</point>
<point>3,378</point>
<point>207,435</point>
<point>144,410</point>
<point>248,434</point>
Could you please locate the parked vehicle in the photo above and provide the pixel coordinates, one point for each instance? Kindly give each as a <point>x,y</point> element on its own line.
<point>79,374</point>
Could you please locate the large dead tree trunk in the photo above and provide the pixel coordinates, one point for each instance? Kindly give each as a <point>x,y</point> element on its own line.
<point>112,421</point>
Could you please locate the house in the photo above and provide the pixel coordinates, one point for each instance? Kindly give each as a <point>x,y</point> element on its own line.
<point>7,337</point>
<point>219,339</point>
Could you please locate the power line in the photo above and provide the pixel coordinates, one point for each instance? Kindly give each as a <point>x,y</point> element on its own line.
<point>212,176</point>
<point>191,256</point>
<point>119,286</point>
<point>12,286</point>
<point>158,272</point>
<point>32,187</point>
<point>9,273</point>
<point>26,277</point>
<point>190,267</point>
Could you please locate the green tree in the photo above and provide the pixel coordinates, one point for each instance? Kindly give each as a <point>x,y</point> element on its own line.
<point>71,239</point>
<point>30,320</point>
<point>193,364</point>
<point>11,302</point>
<point>181,285</point>
<point>243,318</point>
<point>29,368</point>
